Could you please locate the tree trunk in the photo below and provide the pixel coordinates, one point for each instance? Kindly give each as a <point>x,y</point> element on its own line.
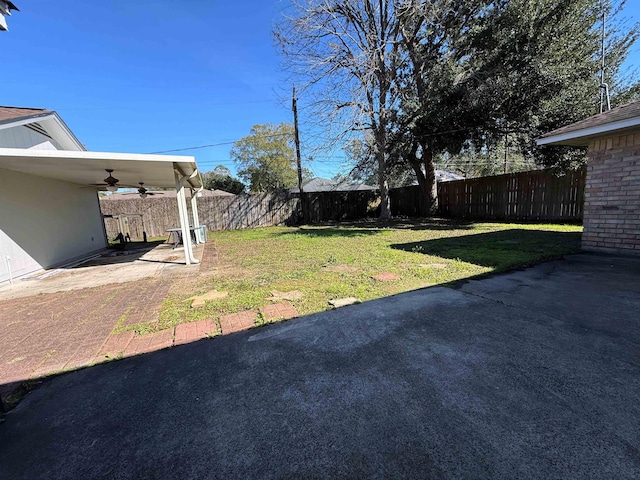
<point>385,201</point>
<point>380,135</point>
<point>426,181</point>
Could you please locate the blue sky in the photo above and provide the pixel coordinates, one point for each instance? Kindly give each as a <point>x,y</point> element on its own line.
<point>148,76</point>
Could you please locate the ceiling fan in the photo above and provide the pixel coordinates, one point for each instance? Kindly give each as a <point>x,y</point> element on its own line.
<point>142,191</point>
<point>110,183</point>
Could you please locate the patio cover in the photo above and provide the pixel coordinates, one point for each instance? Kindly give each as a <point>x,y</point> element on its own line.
<point>88,169</point>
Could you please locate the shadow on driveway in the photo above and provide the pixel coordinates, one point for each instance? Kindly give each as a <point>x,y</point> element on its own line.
<point>531,374</point>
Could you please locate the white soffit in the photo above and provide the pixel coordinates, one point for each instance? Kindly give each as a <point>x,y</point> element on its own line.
<point>88,168</point>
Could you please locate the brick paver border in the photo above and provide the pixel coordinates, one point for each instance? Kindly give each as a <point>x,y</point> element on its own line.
<point>127,344</point>
<point>236,322</point>
<point>278,311</point>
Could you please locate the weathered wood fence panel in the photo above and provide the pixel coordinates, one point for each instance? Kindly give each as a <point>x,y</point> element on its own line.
<point>537,196</point>
<point>237,212</point>
<point>158,215</point>
<point>406,201</point>
<point>248,211</point>
<point>217,213</point>
<point>533,196</point>
<point>339,206</point>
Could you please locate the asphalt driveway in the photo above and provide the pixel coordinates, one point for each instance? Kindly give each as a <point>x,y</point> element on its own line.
<point>532,374</point>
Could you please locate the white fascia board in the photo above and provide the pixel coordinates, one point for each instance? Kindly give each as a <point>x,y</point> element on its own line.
<point>67,131</point>
<point>589,132</point>
<point>25,121</point>
<point>88,155</point>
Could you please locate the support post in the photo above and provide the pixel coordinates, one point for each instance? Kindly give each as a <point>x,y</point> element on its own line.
<point>184,223</point>
<point>194,211</point>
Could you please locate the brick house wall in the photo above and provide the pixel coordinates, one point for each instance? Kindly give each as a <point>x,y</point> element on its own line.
<point>612,195</point>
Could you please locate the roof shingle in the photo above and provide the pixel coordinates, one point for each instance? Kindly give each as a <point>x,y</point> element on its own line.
<point>14,113</point>
<point>625,112</point>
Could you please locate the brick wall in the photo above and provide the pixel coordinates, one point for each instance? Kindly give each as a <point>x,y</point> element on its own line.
<point>612,195</point>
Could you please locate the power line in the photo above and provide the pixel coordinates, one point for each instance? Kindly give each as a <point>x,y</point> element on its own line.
<point>218,144</point>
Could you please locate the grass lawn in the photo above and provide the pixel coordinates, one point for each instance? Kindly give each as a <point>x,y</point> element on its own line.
<point>331,262</point>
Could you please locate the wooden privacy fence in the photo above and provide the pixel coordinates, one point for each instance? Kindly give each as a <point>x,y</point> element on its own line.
<point>217,213</point>
<point>534,196</point>
<point>248,211</point>
<point>339,206</point>
<point>537,195</point>
<point>156,215</point>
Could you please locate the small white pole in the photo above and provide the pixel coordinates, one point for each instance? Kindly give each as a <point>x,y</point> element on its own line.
<point>7,259</point>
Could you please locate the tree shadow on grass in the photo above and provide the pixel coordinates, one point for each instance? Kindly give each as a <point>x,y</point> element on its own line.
<point>499,250</point>
<point>334,231</point>
<point>373,227</point>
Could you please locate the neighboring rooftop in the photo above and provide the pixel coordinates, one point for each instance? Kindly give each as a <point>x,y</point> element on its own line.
<point>618,120</point>
<point>15,113</point>
<point>325,185</point>
<point>447,176</point>
<point>124,195</point>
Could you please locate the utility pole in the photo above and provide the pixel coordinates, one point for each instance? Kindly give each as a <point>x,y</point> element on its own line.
<point>294,107</point>
<point>604,88</point>
<point>506,150</point>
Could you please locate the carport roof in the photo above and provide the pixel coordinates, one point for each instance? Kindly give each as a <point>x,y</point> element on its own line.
<point>88,168</point>
<point>620,120</point>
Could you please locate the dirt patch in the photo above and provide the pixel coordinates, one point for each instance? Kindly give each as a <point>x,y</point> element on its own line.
<point>437,266</point>
<point>199,301</point>
<point>341,268</point>
<point>386,277</point>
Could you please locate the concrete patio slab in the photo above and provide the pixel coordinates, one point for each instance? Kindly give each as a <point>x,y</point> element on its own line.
<point>103,270</point>
<point>532,374</point>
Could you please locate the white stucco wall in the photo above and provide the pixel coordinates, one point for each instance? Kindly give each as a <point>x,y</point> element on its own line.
<point>23,137</point>
<point>44,222</point>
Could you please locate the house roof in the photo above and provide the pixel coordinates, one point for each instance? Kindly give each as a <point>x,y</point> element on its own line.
<point>218,193</point>
<point>447,176</point>
<point>47,122</point>
<point>74,164</point>
<point>615,121</point>
<point>10,114</point>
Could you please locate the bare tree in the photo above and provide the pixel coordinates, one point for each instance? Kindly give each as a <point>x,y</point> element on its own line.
<point>347,50</point>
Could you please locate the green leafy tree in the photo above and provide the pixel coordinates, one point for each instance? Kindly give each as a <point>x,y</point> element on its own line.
<point>426,78</point>
<point>266,158</point>
<point>479,74</point>
<point>220,179</point>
